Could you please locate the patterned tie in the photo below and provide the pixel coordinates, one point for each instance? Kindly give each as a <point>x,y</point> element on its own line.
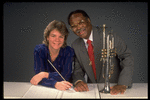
<point>91,56</point>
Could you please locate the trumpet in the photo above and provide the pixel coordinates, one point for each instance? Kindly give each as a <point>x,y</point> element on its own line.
<point>107,55</point>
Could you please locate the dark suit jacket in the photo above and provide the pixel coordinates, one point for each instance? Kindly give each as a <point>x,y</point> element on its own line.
<point>124,61</point>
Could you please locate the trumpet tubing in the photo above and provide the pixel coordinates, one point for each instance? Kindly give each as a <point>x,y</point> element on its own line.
<point>107,57</point>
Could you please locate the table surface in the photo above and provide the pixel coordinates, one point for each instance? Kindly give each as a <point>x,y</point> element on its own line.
<point>27,90</point>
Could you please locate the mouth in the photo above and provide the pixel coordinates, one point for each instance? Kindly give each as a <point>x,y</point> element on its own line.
<point>81,31</point>
<point>57,44</point>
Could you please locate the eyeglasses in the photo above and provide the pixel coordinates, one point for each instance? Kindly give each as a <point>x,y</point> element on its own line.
<point>73,27</point>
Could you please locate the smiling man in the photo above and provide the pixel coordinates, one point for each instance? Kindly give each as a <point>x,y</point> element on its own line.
<point>79,20</point>
<point>88,53</point>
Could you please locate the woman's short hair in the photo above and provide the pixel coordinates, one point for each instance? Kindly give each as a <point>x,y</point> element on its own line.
<point>58,25</point>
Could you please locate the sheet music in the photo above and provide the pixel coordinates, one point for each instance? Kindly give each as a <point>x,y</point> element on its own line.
<point>92,93</point>
<point>38,91</point>
<point>26,90</point>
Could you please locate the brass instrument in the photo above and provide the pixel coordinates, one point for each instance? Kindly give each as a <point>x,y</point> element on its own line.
<point>107,57</point>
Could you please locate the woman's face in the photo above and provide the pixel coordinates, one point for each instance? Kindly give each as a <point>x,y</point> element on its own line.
<point>56,39</point>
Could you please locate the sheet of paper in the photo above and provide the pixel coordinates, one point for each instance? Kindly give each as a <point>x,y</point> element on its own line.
<point>92,93</point>
<point>38,91</point>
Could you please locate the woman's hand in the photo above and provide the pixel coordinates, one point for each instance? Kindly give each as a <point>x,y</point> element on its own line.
<point>38,77</point>
<point>63,85</point>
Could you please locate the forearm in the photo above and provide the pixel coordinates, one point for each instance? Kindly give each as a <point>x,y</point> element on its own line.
<point>44,74</point>
<point>125,77</point>
<point>126,63</point>
<point>48,82</point>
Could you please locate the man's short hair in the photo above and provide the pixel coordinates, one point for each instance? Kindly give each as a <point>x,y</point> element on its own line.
<point>78,11</point>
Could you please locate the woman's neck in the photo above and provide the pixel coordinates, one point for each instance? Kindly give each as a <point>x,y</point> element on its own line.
<point>53,53</point>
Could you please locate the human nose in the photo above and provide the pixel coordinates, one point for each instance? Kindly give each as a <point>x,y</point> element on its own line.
<point>57,39</point>
<point>78,26</point>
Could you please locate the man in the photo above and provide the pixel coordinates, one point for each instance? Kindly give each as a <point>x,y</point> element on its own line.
<point>81,25</point>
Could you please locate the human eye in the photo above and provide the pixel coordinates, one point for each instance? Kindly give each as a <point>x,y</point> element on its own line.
<point>74,26</point>
<point>52,35</point>
<point>82,21</point>
<point>61,36</point>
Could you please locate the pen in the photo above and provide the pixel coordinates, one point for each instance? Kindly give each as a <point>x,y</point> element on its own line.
<point>58,72</point>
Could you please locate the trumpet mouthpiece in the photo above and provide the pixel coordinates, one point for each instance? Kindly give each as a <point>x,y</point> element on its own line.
<point>104,25</point>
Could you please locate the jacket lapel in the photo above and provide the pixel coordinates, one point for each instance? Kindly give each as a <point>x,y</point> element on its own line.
<point>97,41</point>
<point>86,61</point>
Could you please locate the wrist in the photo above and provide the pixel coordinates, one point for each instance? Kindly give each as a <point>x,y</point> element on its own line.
<point>125,86</point>
<point>46,74</point>
<point>77,82</point>
<point>56,84</point>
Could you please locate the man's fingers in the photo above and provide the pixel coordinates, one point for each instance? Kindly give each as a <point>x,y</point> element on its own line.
<point>81,86</point>
<point>76,89</point>
<point>79,89</point>
<point>86,87</point>
<point>114,92</point>
<point>111,87</point>
<point>122,92</point>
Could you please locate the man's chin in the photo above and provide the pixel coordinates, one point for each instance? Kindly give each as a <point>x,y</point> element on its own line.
<point>83,36</point>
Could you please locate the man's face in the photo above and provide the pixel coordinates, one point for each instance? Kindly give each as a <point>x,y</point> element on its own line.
<point>80,25</point>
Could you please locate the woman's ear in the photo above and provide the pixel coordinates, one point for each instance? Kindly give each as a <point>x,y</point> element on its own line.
<point>47,38</point>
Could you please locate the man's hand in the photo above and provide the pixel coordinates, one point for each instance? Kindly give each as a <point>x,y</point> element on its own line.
<point>63,85</point>
<point>38,77</point>
<point>114,90</point>
<point>81,86</point>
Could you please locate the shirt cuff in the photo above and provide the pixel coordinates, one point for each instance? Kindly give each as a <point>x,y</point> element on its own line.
<point>77,82</point>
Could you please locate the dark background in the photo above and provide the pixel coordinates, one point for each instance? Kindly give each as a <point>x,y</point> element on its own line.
<point>24,24</point>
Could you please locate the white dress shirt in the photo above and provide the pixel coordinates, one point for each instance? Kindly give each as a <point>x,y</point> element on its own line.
<point>86,45</point>
<point>90,38</point>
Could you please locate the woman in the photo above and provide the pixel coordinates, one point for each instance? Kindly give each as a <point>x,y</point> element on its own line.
<point>54,49</point>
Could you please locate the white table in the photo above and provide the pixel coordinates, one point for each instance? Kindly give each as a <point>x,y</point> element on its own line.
<point>26,90</point>
<point>15,89</point>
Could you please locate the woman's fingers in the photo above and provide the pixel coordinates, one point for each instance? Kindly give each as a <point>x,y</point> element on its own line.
<point>67,83</point>
<point>63,85</point>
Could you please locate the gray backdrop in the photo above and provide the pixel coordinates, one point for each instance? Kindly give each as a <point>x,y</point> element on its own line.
<point>24,23</point>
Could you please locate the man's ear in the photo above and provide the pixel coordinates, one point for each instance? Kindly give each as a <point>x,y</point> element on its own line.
<point>89,20</point>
